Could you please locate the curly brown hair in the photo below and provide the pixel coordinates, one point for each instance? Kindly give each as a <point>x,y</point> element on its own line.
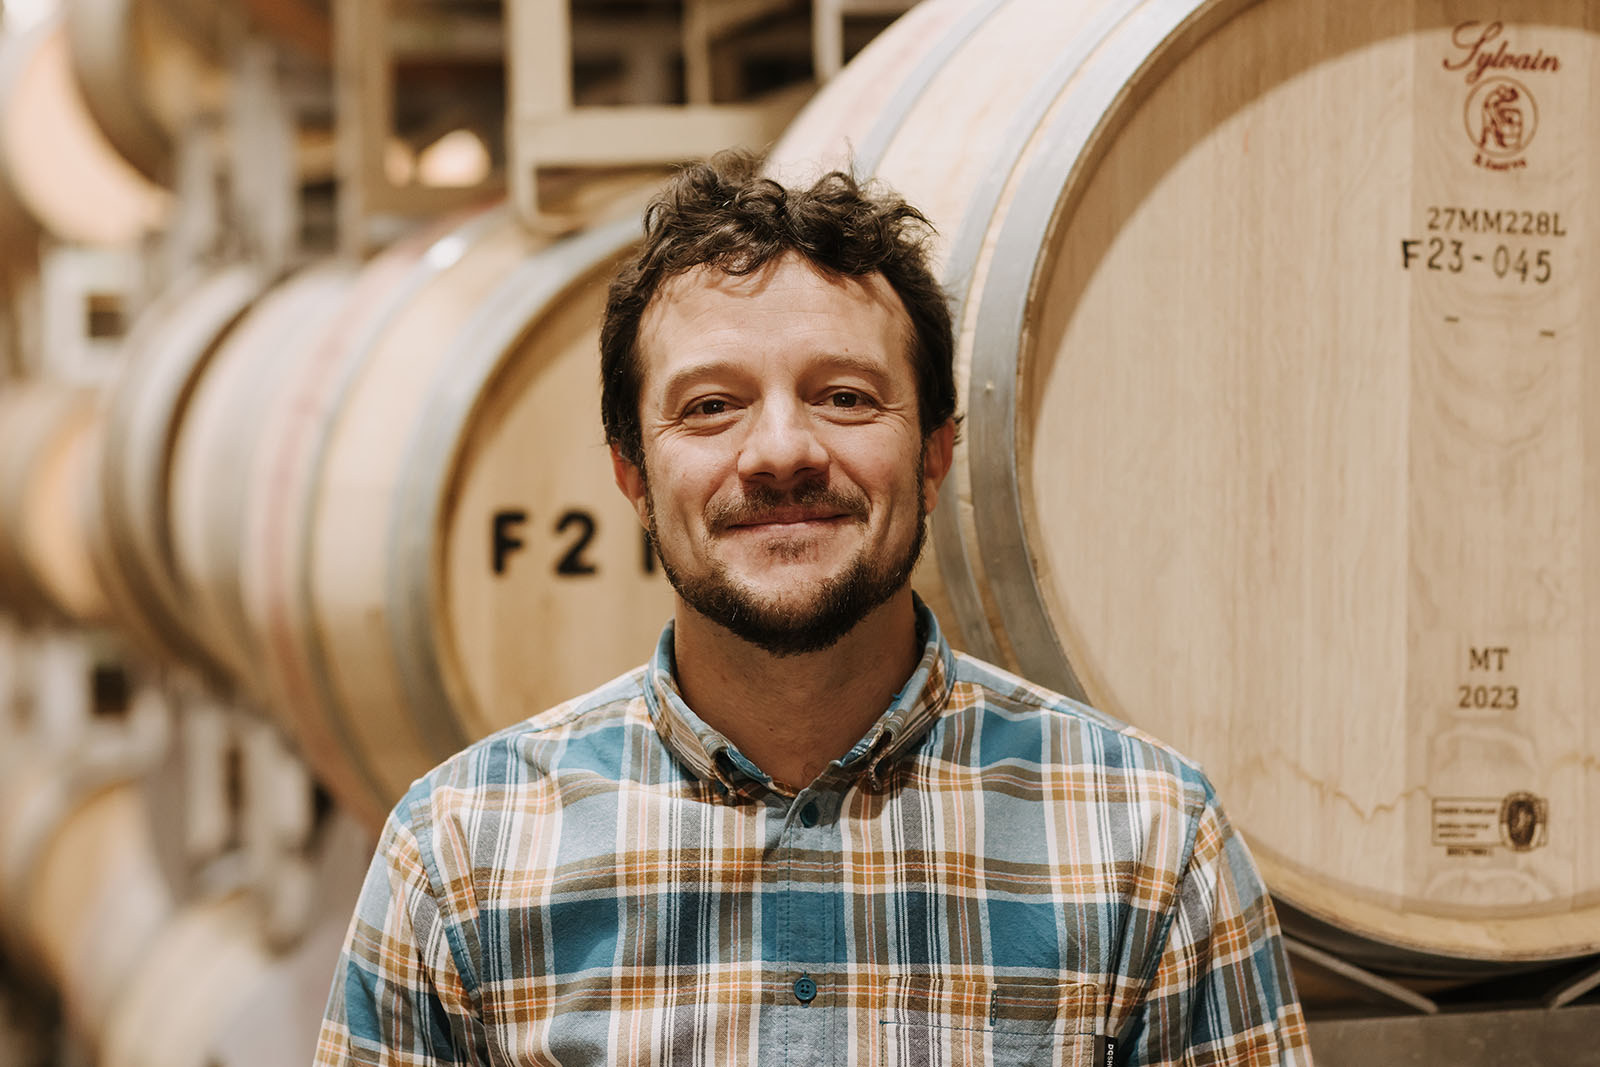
<point>722,213</point>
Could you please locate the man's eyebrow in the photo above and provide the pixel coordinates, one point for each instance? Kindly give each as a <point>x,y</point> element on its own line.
<point>686,377</point>
<point>863,365</point>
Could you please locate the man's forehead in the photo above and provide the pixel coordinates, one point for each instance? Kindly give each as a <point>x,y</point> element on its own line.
<point>786,271</point>
<point>710,298</point>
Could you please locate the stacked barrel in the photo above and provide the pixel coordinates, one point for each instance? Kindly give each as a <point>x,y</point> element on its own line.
<point>1273,328</point>
<point>355,495</point>
<point>332,501</point>
<point>1275,335</point>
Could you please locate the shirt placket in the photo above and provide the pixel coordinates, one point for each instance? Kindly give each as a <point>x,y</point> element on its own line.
<point>812,1005</point>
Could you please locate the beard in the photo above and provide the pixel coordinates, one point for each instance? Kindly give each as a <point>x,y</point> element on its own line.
<point>837,604</point>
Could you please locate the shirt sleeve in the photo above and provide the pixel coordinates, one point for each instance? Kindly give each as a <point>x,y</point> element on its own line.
<point>1223,993</point>
<point>397,998</point>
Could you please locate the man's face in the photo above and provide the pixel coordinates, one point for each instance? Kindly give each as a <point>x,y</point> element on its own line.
<point>785,479</point>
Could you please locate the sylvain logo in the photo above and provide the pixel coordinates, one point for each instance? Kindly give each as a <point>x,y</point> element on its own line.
<point>1477,41</point>
<point>1501,114</point>
<point>1502,118</point>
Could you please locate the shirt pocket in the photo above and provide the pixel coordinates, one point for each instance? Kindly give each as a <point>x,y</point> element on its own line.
<point>931,1020</point>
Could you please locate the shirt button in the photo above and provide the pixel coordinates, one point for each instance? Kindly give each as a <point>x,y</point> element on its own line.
<point>808,817</point>
<point>805,990</point>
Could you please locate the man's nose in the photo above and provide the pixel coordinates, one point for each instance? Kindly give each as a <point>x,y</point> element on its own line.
<point>781,445</point>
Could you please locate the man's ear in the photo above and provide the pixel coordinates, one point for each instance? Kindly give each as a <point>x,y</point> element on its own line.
<point>937,450</point>
<point>630,479</point>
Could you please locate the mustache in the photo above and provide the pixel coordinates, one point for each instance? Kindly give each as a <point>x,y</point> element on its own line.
<point>758,503</point>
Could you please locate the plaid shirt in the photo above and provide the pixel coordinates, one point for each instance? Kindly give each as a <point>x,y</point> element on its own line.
<point>994,874</point>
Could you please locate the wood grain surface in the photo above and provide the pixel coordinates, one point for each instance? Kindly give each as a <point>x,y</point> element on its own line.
<point>355,496</point>
<point>275,590</point>
<point>1274,347</point>
<point>464,517</point>
<point>579,598</point>
<point>165,354</point>
<point>214,449</point>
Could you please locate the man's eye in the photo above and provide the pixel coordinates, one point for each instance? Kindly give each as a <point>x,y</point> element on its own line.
<point>846,400</point>
<point>708,407</point>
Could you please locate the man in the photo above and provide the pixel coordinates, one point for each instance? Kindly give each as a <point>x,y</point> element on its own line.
<point>805,832</point>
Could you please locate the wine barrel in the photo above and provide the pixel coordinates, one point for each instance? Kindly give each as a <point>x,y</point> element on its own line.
<point>215,989</point>
<point>55,536</point>
<point>460,557</point>
<point>123,609</point>
<point>213,448</point>
<point>165,354</point>
<point>1272,323</point>
<point>201,971</point>
<point>23,407</point>
<point>97,900</point>
<point>281,1019</point>
<point>81,893</point>
<point>54,160</point>
<point>142,77</point>
<point>47,435</point>
<point>271,591</point>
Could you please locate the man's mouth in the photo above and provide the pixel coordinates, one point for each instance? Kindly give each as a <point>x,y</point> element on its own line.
<point>788,517</point>
<point>811,508</point>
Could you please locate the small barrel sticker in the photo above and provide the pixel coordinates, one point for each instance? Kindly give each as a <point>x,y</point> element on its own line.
<point>1466,822</point>
<point>1470,826</point>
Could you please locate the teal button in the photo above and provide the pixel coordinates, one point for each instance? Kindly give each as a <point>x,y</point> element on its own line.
<point>808,814</point>
<point>805,990</point>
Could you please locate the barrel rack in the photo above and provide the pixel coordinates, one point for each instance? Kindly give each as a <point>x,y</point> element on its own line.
<point>354,99</point>
<point>549,130</point>
<point>1528,1021</point>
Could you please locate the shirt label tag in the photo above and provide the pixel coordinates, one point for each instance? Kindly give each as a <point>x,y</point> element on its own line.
<point>1105,1051</point>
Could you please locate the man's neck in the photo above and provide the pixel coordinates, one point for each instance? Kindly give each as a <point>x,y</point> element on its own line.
<point>793,715</point>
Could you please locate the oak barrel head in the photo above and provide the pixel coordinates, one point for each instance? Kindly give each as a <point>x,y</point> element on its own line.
<point>1274,328</point>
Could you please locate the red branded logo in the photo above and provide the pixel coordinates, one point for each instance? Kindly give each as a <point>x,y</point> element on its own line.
<point>1502,118</point>
<point>1478,44</point>
<point>1501,114</point>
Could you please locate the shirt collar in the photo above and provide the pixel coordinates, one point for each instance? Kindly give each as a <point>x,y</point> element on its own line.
<point>710,756</point>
